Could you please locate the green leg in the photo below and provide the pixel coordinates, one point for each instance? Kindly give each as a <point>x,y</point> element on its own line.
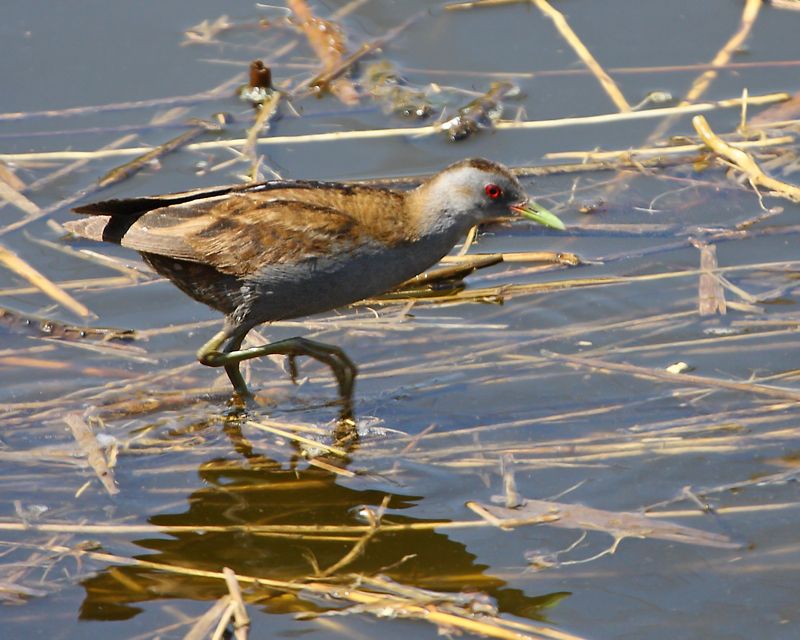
<point>223,350</point>
<point>213,354</point>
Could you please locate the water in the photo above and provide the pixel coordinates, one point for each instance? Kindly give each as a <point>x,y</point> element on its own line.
<point>477,380</point>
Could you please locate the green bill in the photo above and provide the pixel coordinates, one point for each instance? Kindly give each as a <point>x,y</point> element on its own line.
<point>539,214</point>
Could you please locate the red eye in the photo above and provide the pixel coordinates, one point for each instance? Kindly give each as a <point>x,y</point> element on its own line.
<point>493,191</point>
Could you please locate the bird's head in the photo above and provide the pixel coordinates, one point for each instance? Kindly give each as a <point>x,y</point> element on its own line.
<point>474,191</point>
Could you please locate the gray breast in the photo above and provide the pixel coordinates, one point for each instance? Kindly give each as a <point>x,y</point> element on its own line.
<point>280,292</point>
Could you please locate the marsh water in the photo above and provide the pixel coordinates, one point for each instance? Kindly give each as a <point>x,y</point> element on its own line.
<point>487,399</point>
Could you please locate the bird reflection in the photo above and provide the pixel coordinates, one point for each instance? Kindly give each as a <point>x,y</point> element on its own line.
<point>257,490</point>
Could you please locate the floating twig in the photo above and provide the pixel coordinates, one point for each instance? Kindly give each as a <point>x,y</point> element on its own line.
<point>87,441</point>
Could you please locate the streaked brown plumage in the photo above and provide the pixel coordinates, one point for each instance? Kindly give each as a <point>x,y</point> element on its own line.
<point>285,249</point>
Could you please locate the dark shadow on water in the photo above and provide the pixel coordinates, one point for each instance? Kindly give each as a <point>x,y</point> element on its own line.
<point>261,491</point>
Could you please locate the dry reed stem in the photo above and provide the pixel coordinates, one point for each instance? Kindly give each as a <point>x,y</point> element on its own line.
<point>548,257</point>
<point>241,619</point>
<point>339,471</point>
<point>135,272</point>
<point>639,438</point>
<point>742,508</point>
<point>21,158</point>
<point>126,352</point>
<point>42,284</point>
<point>699,86</point>
<point>326,77</point>
<point>359,547</point>
<point>491,294</point>
<point>404,602</point>
<point>724,55</point>
<point>606,448</point>
<point>220,631</point>
<point>204,625</point>
<point>11,179</point>
<point>743,161</point>
<point>57,175</point>
<point>558,73</point>
<point>118,174</point>
<point>584,54</point>
<point>710,294</point>
<point>87,441</point>
<point>13,197</point>
<point>308,531</point>
<point>203,96</point>
<point>72,167</point>
<point>679,379</point>
<point>693,345</point>
<point>87,284</point>
<point>479,4</point>
<point>618,524</point>
<point>644,152</point>
<point>261,126</point>
<point>295,436</point>
<point>327,42</point>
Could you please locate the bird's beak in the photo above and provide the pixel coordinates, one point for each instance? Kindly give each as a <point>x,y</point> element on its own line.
<point>538,214</point>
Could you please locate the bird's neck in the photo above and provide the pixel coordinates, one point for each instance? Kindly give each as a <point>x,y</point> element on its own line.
<point>432,213</point>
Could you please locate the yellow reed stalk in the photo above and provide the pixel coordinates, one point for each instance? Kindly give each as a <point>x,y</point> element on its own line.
<point>743,161</point>
<point>16,264</point>
<point>584,54</point>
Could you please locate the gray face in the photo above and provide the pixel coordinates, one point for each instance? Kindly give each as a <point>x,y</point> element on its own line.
<point>469,193</point>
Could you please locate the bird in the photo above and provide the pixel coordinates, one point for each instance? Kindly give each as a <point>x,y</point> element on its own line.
<point>281,249</point>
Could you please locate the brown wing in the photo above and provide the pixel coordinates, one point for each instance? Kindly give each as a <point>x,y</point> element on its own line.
<point>234,233</point>
<point>243,238</point>
<point>241,228</point>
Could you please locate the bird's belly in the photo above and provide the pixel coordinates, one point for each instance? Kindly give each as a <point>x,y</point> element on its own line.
<point>280,292</point>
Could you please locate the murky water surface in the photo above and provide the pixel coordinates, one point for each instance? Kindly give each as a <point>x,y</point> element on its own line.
<point>458,405</point>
